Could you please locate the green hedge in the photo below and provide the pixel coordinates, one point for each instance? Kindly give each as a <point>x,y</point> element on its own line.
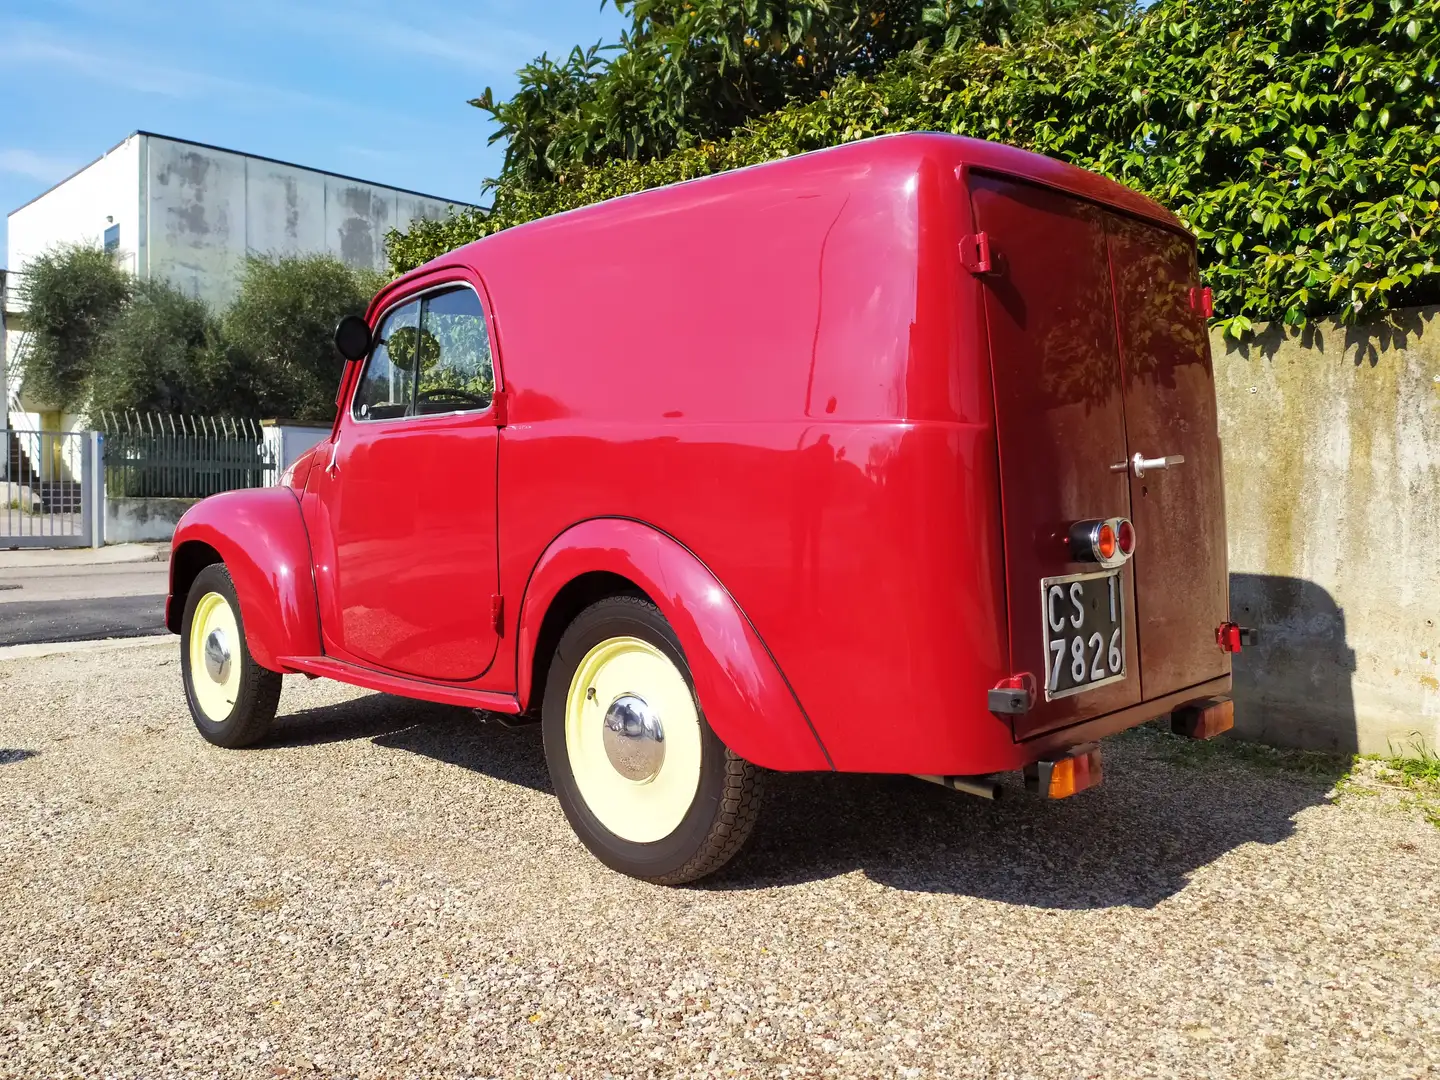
<point>1300,140</point>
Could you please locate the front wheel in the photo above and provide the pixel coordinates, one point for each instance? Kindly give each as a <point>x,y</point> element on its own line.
<point>646,784</point>
<point>231,697</point>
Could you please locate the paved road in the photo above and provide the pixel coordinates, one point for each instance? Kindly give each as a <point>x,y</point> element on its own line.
<point>52,596</point>
<point>81,620</point>
<point>389,889</point>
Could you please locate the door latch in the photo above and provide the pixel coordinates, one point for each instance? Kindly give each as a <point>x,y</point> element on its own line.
<point>1140,464</point>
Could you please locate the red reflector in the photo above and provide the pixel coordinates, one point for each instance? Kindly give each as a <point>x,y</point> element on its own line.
<point>1125,536</point>
<point>1227,636</point>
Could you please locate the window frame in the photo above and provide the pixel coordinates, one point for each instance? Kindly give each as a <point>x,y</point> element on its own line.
<point>418,296</point>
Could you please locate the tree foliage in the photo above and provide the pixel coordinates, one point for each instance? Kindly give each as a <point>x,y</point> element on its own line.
<point>159,354</point>
<point>70,294</point>
<point>281,326</point>
<point>103,340</point>
<point>691,70</point>
<point>1299,139</point>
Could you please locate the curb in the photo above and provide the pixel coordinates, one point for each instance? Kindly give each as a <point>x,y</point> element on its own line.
<point>62,648</point>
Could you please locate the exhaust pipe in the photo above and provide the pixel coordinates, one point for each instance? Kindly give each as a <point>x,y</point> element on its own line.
<point>982,786</point>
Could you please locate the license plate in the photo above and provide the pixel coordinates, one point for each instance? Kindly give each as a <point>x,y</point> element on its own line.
<point>1084,620</point>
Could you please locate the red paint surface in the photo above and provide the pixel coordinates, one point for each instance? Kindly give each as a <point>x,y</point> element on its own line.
<point>780,379</point>
<point>260,537</point>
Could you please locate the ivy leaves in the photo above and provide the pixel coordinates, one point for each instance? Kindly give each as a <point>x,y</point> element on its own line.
<point>1298,139</point>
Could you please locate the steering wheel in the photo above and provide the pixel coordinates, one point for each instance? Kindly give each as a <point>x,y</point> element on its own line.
<point>447,394</point>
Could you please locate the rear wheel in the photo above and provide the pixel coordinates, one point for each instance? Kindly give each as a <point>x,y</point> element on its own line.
<point>646,784</point>
<point>232,699</point>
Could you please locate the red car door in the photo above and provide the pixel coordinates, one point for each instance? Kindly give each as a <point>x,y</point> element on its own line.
<point>401,511</point>
<point>1181,585</point>
<point>1061,427</point>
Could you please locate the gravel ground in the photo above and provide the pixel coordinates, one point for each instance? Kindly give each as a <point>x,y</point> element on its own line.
<point>388,889</point>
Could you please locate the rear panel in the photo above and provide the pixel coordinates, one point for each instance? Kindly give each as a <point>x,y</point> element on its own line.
<point>1100,352</point>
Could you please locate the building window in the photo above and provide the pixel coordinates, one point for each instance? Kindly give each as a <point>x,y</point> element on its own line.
<point>112,239</point>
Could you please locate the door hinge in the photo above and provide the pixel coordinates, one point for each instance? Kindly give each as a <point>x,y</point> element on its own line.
<point>500,404</point>
<point>975,253</point>
<point>497,614</point>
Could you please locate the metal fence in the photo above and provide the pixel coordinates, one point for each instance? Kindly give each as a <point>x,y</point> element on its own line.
<point>48,491</point>
<point>181,457</point>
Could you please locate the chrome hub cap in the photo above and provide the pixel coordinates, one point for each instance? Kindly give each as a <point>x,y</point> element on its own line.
<point>637,775</point>
<point>217,655</point>
<point>634,738</point>
<point>214,665</point>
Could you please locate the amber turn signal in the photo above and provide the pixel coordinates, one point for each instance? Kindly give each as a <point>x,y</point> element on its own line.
<point>1203,719</point>
<point>1078,770</point>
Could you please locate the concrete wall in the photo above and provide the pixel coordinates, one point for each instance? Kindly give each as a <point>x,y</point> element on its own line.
<point>1332,472</point>
<point>205,209</point>
<point>286,440</point>
<point>75,211</point>
<point>129,521</point>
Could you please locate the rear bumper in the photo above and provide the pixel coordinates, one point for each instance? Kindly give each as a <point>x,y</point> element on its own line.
<point>1052,743</point>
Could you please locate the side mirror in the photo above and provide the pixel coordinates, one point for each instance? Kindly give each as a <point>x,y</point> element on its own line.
<point>352,337</point>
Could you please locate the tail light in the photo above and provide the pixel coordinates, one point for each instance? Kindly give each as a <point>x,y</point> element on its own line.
<point>1125,537</point>
<point>1109,542</point>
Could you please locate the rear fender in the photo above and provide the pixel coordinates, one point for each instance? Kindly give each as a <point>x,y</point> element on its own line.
<point>260,536</point>
<point>741,690</point>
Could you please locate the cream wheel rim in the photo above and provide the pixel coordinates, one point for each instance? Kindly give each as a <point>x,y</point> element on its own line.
<point>641,779</point>
<point>214,657</point>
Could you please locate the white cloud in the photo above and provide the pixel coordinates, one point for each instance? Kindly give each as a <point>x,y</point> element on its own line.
<point>24,47</point>
<point>35,166</point>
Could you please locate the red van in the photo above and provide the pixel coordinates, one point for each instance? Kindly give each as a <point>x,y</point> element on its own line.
<point>897,457</point>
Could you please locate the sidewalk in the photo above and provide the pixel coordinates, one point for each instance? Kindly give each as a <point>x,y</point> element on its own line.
<point>113,555</point>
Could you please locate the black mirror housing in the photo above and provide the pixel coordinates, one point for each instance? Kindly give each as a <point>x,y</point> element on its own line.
<point>352,337</point>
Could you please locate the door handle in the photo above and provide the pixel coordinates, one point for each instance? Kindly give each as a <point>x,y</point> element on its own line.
<point>1139,464</point>
<point>334,468</point>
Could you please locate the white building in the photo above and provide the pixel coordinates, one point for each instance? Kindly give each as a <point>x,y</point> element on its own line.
<point>190,213</point>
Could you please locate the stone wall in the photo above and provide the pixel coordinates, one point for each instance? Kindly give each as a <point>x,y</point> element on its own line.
<point>1332,472</point>
<point>131,521</point>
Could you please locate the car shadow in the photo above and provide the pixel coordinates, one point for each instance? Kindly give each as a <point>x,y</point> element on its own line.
<point>447,733</point>
<point>1168,807</point>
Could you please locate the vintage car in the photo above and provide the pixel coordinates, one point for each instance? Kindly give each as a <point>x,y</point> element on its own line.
<point>898,457</point>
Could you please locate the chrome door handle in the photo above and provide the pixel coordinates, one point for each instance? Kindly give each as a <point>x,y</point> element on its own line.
<point>1140,463</point>
<point>333,468</point>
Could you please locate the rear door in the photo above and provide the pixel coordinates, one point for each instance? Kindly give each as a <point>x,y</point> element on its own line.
<point>1060,418</point>
<point>1179,511</point>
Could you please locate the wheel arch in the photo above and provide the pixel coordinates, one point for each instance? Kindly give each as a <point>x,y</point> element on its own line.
<point>260,537</point>
<point>742,691</point>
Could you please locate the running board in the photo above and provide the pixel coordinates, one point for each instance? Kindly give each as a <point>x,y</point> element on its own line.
<point>327,667</point>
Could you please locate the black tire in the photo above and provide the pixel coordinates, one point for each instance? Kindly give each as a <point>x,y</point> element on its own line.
<point>727,799</point>
<point>257,692</point>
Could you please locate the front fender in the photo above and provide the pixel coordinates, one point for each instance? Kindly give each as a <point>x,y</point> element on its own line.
<point>741,690</point>
<point>261,537</point>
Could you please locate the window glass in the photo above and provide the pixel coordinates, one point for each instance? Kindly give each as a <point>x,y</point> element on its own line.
<point>385,390</point>
<point>456,372</point>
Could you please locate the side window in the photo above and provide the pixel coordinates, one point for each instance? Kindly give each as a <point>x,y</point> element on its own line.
<point>386,386</point>
<point>456,371</point>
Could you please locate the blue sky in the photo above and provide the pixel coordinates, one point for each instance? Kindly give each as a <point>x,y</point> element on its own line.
<point>369,88</point>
